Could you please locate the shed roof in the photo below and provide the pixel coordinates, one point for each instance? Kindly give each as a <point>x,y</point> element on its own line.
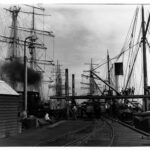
<point>6,89</point>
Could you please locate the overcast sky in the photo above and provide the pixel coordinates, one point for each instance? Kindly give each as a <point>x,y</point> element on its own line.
<point>87,31</point>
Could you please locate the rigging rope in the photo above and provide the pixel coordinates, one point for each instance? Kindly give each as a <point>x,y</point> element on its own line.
<point>127,39</point>
<point>136,53</point>
<point>119,55</point>
<point>131,42</point>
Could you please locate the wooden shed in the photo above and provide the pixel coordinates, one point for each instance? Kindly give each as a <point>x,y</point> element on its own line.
<point>10,102</point>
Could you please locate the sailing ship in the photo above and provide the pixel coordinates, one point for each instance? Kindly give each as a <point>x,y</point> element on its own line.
<point>32,39</point>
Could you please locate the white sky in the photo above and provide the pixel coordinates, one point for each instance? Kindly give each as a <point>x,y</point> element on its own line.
<point>87,31</point>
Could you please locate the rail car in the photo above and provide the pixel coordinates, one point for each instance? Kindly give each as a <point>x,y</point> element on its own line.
<point>142,121</point>
<point>121,111</point>
<point>91,109</point>
<point>33,103</point>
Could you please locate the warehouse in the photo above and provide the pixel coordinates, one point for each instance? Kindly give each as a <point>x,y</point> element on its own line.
<point>10,102</point>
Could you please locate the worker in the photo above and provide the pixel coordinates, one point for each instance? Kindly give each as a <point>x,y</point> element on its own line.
<point>24,115</point>
<point>47,118</point>
<point>133,89</point>
<point>74,112</point>
<point>97,110</point>
<point>74,108</point>
<point>89,111</point>
<point>114,110</point>
<point>24,119</point>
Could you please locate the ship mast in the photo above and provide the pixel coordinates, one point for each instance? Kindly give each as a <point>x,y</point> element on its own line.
<point>14,24</point>
<point>91,79</point>
<point>32,48</point>
<point>13,52</point>
<point>35,32</point>
<point>92,85</point>
<point>144,60</point>
<point>108,71</point>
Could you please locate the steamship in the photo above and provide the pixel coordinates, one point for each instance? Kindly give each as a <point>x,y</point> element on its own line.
<point>127,75</point>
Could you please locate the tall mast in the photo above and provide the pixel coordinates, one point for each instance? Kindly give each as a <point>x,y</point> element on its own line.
<point>144,59</point>
<point>13,39</point>
<point>33,31</point>
<point>32,49</point>
<point>92,85</point>
<point>13,52</point>
<point>33,18</point>
<point>91,79</point>
<point>14,16</point>
<point>108,69</point>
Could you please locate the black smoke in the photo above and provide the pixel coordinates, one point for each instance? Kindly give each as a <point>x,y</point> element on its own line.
<point>14,71</point>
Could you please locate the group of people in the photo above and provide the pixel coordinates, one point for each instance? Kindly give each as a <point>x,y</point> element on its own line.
<point>128,91</point>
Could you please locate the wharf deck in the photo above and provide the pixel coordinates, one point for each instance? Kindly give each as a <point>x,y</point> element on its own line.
<point>122,136</point>
<point>34,136</point>
<point>125,136</point>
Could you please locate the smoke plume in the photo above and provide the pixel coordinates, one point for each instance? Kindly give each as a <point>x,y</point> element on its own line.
<point>14,70</point>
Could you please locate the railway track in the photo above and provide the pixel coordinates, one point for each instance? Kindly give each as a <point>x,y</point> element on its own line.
<point>82,136</point>
<point>127,135</point>
<point>101,129</point>
<point>70,138</point>
<point>83,140</point>
<point>104,135</point>
<point>117,133</point>
<point>103,132</point>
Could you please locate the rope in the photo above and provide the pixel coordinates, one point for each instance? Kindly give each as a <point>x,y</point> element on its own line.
<point>119,55</point>
<point>132,63</point>
<point>131,41</point>
<point>127,36</point>
<point>129,76</point>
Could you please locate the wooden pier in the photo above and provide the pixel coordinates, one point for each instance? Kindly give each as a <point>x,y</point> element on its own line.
<point>115,134</point>
<point>102,132</point>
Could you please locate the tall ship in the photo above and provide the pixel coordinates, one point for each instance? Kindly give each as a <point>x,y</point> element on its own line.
<point>26,43</point>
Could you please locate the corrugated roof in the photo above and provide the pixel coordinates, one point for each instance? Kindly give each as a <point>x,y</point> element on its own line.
<point>6,89</point>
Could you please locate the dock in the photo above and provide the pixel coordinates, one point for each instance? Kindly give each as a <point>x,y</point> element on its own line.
<point>33,137</point>
<point>121,136</point>
<point>104,133</point>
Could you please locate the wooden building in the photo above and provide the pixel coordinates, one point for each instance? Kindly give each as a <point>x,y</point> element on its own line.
<point>10,102</point>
